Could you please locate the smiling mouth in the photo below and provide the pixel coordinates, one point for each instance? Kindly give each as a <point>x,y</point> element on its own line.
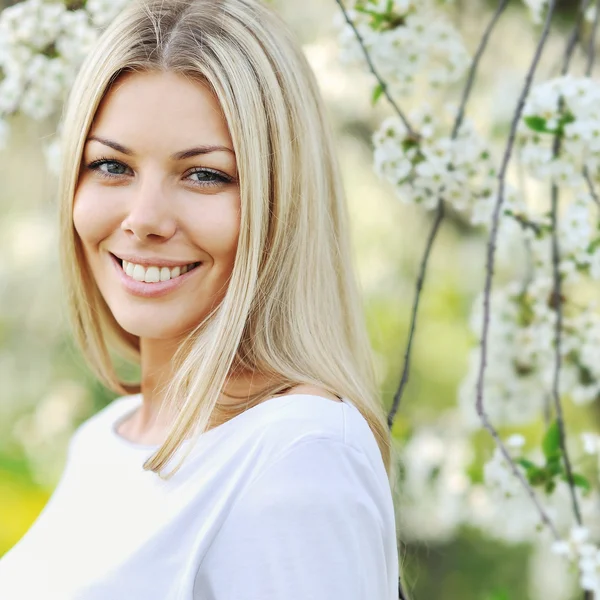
<point>154,274</point>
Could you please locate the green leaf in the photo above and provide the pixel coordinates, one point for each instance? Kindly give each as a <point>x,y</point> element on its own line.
<point>551,442</point>
<point>579,481</point>
<point>537,476</point>
<point>554,465</point>
<point>526,464</point>
<point>536,123</point>
<point>376,94</point>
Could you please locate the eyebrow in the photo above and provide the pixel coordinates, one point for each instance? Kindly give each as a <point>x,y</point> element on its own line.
<point>176,156</point>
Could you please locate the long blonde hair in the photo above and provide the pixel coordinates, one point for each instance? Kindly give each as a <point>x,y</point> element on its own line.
<point>291,310</point>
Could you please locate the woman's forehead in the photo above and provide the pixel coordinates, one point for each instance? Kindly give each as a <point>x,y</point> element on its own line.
<point>163,108</point>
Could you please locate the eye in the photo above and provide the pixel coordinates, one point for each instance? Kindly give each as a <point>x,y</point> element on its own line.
<point>107,167</point>
<point>208,177</point>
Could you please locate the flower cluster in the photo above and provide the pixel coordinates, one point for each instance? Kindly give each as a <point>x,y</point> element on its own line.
<point>405,38</point>
<point>431,165</point>
<point>42,44</point>
<point>518,382</point>
<point>585,554</point>
<point>569,107</point>
<point>434,481</point>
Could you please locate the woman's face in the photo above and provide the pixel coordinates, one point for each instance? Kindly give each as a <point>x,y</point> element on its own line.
<point>158,188</point>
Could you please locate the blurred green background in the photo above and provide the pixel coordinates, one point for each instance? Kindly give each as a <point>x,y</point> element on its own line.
<point>46,390</point>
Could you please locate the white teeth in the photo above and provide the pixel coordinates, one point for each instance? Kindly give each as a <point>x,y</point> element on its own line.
<point>154,274</point>
<point>139,273</point>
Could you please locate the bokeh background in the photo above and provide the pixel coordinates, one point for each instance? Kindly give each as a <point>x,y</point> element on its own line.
<point>46,391</point>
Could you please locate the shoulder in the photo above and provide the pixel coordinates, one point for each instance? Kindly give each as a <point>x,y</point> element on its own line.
<point>308,423</point>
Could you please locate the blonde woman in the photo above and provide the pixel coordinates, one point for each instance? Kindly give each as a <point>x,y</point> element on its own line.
<point>204,236</point>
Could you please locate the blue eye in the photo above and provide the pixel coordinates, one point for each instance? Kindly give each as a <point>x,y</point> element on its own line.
<point>209,177</point>
<point>110,167</point>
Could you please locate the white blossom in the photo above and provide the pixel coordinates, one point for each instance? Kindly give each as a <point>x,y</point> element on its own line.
<point>578,549</point>
<point>591,443</point>
<point>411,39</point>
<point>579,119</point>
<point>434,166</point>
<point>434,482</point>
<point>103,12</point>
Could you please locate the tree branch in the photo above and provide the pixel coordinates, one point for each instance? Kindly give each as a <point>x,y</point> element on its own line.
<point>491,249</point>
<point>439,216</point>
<point>590,184</point>
<point>591,53</point>
<point>572,41</point>
<point>373,70</point>
<point>440,213</point>
<point>557,304</point>
<point>557,279</point>
<point>473,70</point>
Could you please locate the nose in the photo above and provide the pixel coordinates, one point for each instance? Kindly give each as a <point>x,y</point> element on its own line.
<point>150,215</point>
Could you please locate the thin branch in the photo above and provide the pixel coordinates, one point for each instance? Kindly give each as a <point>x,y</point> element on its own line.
<point>382,83</point>
<point>440,213</point>
<point>591,53</point>
<point>590,184</point>
<point>557,279</point>
<point>557,304</point>
<point>439,216</point>
<point>527,224</point>
<point>478,54</point>
<point>528,267</point>
<point>491,249</point>
<point>572,41</point>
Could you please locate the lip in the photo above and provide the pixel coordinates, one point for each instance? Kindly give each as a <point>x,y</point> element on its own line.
<point>153,262</point>
<point>150,290</point>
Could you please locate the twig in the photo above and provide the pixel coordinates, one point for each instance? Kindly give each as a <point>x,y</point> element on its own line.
<point>557,291</point>
<point>439,216</point>
<point>382,83</point>
<point>557,304</point>
<point>491,249</point>
<point>478,54</point>
<point>592,45</point>
<point>440,213</point>
<point>590,183</point>
<point>527,224</point>
<point>591,53</point>
<point>572,41</point>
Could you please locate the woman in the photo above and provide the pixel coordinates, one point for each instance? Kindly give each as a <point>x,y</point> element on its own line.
<point>204,237</point>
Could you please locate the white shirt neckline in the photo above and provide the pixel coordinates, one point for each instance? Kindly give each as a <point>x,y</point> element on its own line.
<point>136,400</point>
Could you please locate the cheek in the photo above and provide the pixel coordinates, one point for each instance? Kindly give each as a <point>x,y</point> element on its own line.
<point>218,231</point>
<point>91,219</point>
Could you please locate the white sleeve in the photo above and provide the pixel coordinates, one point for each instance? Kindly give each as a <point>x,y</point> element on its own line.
<point>311,526</point>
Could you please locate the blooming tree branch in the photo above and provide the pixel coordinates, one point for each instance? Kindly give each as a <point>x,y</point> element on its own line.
<point>491,249</point>
<point>439,216</point>
<point>383,87</point>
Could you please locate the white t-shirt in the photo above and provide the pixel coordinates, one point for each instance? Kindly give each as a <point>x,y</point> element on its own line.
<point>287,501</point>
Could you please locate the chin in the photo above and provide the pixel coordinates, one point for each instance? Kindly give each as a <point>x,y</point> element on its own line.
<point>151,328</point>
